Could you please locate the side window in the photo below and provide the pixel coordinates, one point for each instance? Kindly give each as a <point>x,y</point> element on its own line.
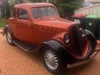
<point>36,12</point>
<point>22,14</point>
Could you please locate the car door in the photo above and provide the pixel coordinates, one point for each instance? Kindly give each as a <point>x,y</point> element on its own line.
<point>24,26</point>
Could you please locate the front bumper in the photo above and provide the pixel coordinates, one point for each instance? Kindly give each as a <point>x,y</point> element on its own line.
<point>78,63</point>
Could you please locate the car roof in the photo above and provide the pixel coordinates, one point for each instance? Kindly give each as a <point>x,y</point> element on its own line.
<point>30,5</point>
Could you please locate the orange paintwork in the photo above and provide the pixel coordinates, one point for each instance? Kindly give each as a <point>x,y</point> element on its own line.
<point>41,29</point>
<point>38,30</point>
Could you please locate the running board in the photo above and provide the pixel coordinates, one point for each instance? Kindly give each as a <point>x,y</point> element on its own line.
<point>24,46</point>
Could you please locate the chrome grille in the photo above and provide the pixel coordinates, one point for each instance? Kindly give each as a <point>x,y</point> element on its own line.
<point>76,40</point>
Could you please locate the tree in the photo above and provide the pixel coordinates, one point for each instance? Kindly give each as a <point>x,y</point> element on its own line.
<point>66,7</point>
<point>7,7</point>
<point>20,1</point>
<point>10,5</point>
<point>8,12</point>
<point>35,0</point>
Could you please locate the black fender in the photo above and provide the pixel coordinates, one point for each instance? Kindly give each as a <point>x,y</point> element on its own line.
<point>91,38</point>
<point>56,45</point>
<point>7,27</point>
<point>60,49</point>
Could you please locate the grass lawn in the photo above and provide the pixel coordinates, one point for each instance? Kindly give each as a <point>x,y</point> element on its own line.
<point>2,23</point>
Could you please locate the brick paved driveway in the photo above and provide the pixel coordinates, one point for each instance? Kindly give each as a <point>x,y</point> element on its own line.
<point>14,61</point>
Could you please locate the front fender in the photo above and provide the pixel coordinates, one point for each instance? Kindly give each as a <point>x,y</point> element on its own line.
<point>56,45</point>
<point>60,49</point>
<point>91,39</point>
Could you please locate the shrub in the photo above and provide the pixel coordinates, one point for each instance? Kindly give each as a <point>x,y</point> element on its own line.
<point>66,7</point>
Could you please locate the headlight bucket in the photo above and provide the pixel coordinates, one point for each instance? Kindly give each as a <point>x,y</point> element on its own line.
<point>83,34</point>
<point>66,38</point>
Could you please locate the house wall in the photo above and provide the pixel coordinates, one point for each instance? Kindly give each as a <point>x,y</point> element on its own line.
<point>92,10</point>
<point>92,0</point>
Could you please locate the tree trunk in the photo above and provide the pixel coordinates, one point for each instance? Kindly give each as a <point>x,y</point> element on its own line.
<point>8,12</point>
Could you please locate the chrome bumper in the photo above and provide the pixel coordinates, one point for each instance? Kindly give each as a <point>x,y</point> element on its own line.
<point>84,61</point>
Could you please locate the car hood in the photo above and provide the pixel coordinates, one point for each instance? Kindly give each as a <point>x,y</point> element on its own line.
<point>55,22</point>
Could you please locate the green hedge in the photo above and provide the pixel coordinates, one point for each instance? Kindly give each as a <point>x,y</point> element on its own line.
<point>2,23</point>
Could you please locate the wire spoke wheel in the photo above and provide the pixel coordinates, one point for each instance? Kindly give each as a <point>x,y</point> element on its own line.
<point>51,59</point>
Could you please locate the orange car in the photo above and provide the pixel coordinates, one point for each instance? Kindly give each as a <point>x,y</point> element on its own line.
<point>38,27</point>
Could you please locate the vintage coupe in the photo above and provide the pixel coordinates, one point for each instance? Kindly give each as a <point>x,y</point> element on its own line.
<point>61,43</point>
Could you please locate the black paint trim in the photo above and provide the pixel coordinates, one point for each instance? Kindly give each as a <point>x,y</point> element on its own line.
<point>91,38</point>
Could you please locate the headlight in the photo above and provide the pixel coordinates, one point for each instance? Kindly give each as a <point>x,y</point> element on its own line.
<point>83,33</point>
<point>66,38</point>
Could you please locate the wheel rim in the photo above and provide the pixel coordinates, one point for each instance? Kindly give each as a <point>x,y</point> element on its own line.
<point>51,59</point>
<point>9,37</point>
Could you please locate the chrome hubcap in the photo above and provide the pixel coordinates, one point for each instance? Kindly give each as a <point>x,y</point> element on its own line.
<point>51,59</point>
<point>9,37</point>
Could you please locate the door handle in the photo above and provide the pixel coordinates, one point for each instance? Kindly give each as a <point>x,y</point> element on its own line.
<point>29,25</point>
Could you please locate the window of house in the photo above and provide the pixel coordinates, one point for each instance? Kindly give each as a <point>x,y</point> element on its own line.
<point>22,14</point>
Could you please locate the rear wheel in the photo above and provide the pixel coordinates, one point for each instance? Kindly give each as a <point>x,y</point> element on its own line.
<point>9,37</point>
<point>53,61</point>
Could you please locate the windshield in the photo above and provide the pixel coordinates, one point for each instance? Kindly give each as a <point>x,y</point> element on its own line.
<point>43,11</point>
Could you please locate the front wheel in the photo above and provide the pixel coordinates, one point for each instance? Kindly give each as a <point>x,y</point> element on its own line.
<point>53,61</point>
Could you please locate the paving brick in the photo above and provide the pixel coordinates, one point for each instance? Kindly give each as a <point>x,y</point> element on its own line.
<point>15,61</point>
